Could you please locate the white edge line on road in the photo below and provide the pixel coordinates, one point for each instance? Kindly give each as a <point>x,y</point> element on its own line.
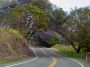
<point>76,62</point>
<point>34,52</point>
<point>26,61</point>
<point>73,60</point>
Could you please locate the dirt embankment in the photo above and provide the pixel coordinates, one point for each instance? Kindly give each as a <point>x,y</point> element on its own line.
<point>12,44</point>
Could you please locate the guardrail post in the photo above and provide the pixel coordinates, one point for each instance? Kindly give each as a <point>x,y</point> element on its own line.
<point>88,56</point>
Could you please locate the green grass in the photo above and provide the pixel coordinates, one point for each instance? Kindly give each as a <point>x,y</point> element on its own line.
<point>16,59</point>
<point>16,32</point>
<point>2,61</point>
<point>69,51</point>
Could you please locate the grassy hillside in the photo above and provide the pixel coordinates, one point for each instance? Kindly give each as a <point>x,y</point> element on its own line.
<point>12,45</point>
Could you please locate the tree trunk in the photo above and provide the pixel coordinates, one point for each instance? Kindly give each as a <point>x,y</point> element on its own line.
<point>88,47</point>
<point>69,40</point>
<point>78,49</point>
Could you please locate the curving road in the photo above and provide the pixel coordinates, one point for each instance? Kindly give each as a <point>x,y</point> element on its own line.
<point>46,57</point>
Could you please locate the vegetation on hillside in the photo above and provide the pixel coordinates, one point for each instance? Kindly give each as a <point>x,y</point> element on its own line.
<point>68,51</point>
<point>12,45</point>
<point>41,16</point>
<point>73,27</point>
<point>16,17</point>
<point>16,24</point>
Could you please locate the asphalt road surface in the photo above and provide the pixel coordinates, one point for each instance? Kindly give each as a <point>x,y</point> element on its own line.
<point>46,57</point>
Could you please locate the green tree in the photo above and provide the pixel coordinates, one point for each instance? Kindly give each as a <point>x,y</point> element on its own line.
<point>55,40</point>
<point>74,27</point>
<point>45,5</point>
<point>39,17</point>
<point>81,19</point>
<point>17,14</point>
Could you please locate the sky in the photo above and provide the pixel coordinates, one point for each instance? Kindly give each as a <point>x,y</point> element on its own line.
<point>67,5</point>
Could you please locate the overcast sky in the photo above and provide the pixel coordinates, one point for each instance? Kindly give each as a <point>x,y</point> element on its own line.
<point>68,4</point>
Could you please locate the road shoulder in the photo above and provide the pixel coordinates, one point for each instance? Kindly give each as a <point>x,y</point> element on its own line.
<point>86,64</point>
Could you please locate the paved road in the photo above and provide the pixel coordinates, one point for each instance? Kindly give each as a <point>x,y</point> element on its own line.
<point>47,57</point>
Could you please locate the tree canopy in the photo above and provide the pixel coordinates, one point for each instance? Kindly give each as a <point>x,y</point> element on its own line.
<point>17,14</point>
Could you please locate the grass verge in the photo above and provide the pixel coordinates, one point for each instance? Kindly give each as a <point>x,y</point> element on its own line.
<point>19,58</point>
<point>69,51</point>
